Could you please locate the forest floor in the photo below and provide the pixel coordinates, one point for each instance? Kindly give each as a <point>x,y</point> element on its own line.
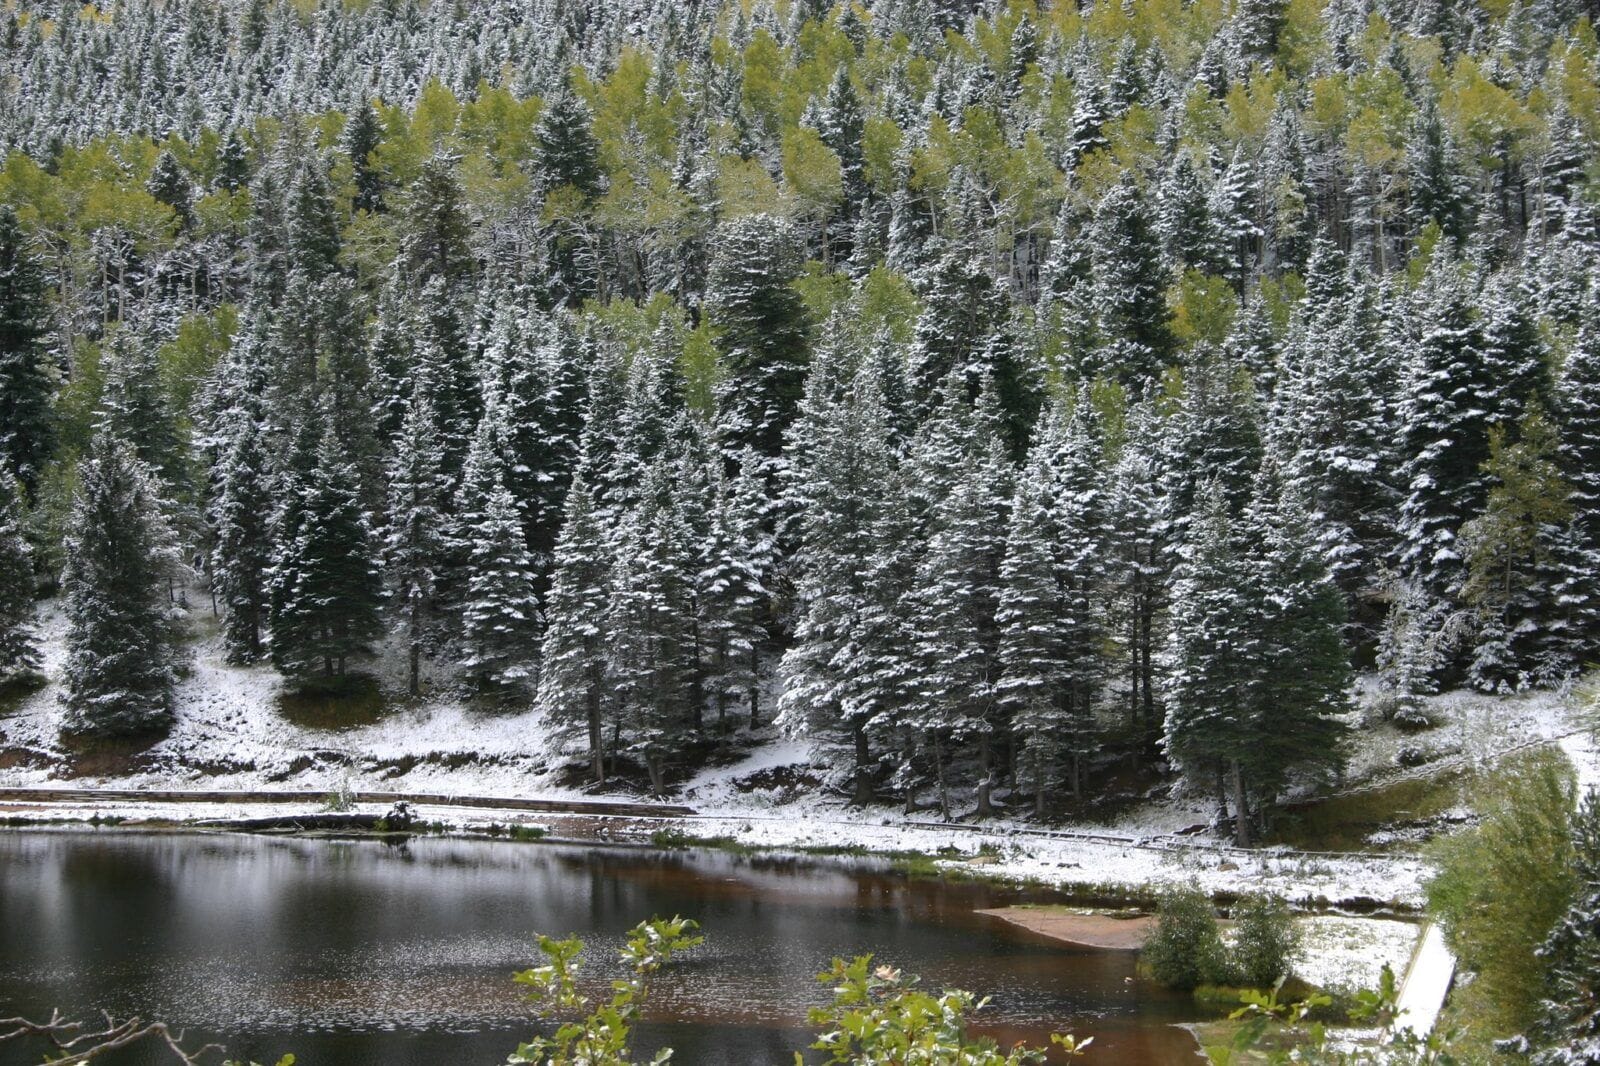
<point>239,731</point>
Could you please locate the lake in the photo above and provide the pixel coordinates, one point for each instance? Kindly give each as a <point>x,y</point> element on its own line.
<point>365,953</point>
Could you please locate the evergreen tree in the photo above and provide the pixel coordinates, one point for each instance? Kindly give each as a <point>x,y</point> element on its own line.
<point>120,641</point>
<point>649,623</point>
<point>1212,658</point>
<point>1129,286</point>
<point>326,584</point>
<point>415,545</point>
<point>831,690</point>
<point>1305,676</point>
<point>241,549</point>
<point>1578,396</point>
<point>568,152</point>
<point>19,645</point>
<point>731,589</point>
<point>363,133</point>
<point>762,326</point>
<point>573,681</point>
<point>27,434</point>
<point>1033,654</point>
<point>1443,437</point>
<point>501,622</point>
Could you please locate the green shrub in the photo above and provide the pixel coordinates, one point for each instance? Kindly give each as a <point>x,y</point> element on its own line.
<point>1185,949</point>
<point>1265,942</point>
<point>1503,886</point>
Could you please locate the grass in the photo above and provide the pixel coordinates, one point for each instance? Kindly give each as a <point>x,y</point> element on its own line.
<point>334,702</point>
<point>1343,823</point>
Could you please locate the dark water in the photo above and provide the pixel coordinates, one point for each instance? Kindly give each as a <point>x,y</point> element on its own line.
<point>357,953</point>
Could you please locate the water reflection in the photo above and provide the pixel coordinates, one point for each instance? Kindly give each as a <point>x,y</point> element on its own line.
<point>351,952</point>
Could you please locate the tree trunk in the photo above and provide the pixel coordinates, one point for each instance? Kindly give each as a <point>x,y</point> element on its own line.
<point>938,772</point>
<point>755,688</point>
<point>1241,813</point>
<point>985,779</point>
<point>863,784</point>
<point>597,754</point>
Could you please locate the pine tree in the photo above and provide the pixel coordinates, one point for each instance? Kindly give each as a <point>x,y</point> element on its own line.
<point>1212,658</point>
<point>168,184</point>
<point>1443,437</point>
<point>501,622</point>
<point>1129,286</point>
<point>568,152</point>
<point>1305,676</point>
<point>1578,397</point>
<point>762,326</point>
<point>831,690</point>
<point>19,645</point>
<point>649,622</point>
<point>326,581</point>
<point>362,135</point>
<point>241,550</point>
<point>434,242</point>
<point>731,589</point>
<point>1033,655</point>
<point>955,599</point>
<point>120,641</point>
<point>27,434</point>
<point>573,679</point>
<point>414,547</point>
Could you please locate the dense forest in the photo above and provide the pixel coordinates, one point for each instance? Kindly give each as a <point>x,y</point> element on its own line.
<point>972,389</point>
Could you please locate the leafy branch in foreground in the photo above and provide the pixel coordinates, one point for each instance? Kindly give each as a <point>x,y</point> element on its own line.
<point>879,1017</point>
<point>1278,1033</point>
<point>599,1037</point>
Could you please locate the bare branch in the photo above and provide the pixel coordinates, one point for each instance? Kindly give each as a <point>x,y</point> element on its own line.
<point>83,1047</point>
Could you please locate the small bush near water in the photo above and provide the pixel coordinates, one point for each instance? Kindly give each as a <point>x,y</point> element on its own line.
<point>1266,943</point>
<point>1185,949</point>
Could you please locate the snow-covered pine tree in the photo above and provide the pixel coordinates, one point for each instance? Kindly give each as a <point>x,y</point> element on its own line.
<point>1129,284</point>
<point>241,532</point>
<point>1333,433</point>
<point>415,543</point>
<point>954,602</point>
<point>732,596</point>
<point>1443,434</point>
<point>500,622</point>
<point>19,645</point>
<point>1304,678</point>
<point>1578,407</point>
<point>1076,460</point>
<point>829,693</point>
<point>574,685</point>
<point>327,583</point>
<point>120,642</point>
<point>649,623</point>
<point>1213,654</point>
<point>1032,645</point>
<point>762,327</point>
<point>27,433</point>
<point>135,406</point>
<point>1138,561</point>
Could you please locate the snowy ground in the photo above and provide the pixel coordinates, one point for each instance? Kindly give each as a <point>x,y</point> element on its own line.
<point>230,735</point>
